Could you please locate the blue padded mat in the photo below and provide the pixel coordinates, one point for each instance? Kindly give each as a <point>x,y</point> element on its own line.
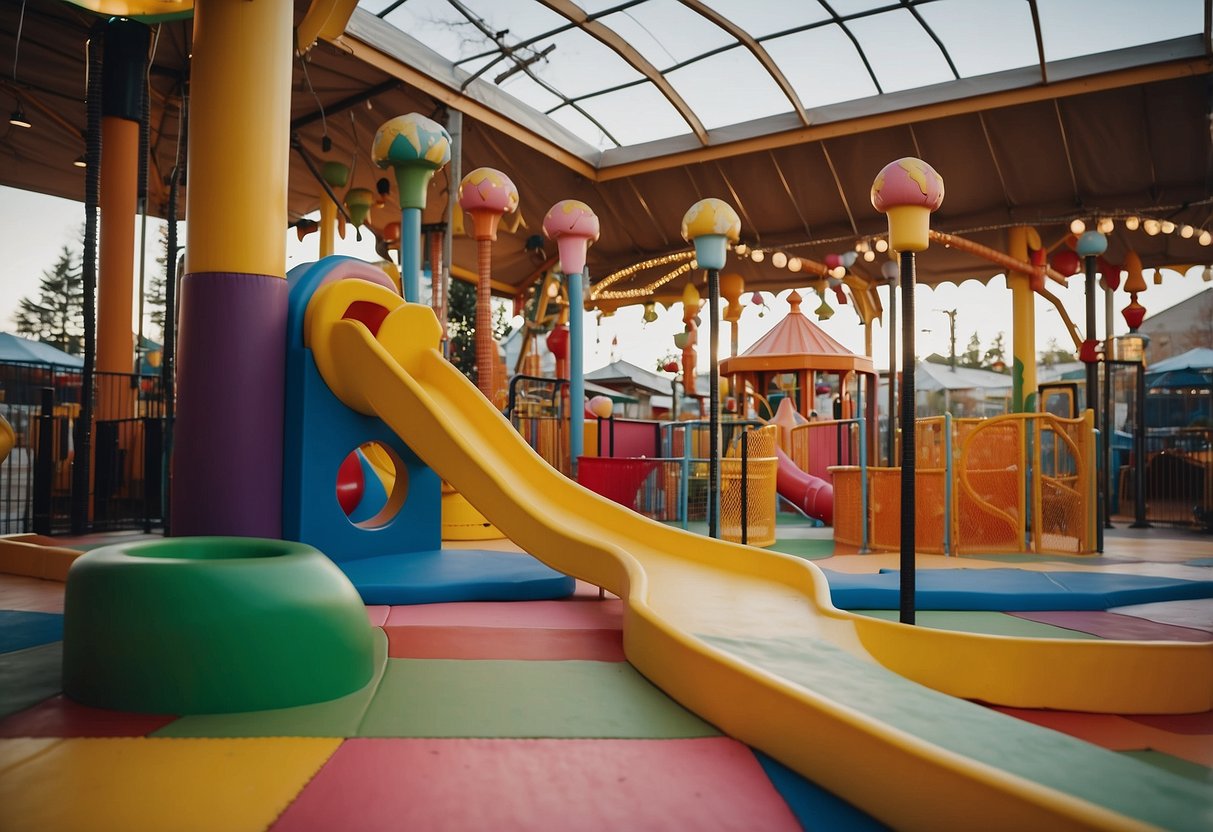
<point>1020,590</point>
<point>814,807</point>
<point>445,575</point>
<point>19,630</point>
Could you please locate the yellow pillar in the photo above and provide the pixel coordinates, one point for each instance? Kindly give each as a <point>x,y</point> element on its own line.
<point>227,450</point>
<point>240,118</point>
<point>1024,388</point>
<point>328,225</point>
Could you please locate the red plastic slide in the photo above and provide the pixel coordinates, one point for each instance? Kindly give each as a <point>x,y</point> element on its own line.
<point>812,495</point>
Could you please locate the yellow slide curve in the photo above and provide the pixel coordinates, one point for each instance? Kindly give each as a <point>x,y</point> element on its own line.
<point>749,640</point>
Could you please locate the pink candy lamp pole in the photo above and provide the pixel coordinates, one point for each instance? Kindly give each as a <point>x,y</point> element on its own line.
<point>907,191</point>
<point>711,224</point>
<point>486,194</point>
<point>574,227</point>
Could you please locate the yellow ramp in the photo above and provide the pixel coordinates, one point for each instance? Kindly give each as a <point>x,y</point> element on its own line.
<point>749,640</point>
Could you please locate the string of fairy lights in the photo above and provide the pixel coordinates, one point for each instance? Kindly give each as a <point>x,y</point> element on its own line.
<point>869,248</point>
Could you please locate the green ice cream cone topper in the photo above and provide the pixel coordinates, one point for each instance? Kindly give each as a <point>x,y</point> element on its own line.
<point>414,147</point>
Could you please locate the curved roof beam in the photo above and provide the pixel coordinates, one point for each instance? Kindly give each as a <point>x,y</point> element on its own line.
<point>610,38</point>
<point>841,23</point>
<point>756,49</point>
<point>909,5</point>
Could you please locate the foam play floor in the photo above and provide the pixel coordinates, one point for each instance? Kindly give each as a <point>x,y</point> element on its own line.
<point>490,715</point>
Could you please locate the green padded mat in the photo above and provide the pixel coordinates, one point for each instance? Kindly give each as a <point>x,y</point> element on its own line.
<point>445,698</point>
<point>990,623</point>
<point>1037,754</point>
<point>336,718</point>
<point>1175,765</point>
<point>29,676</point>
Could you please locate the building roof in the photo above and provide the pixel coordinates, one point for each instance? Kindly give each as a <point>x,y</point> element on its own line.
<point>625,373</point>
<point>796,343</point>
<point>1199,358</point>
<point>929,376</point>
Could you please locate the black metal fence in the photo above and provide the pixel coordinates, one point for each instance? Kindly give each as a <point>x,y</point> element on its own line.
<point>42,403</point>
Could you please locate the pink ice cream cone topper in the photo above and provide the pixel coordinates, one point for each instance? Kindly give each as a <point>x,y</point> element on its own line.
<point>574,227</point>
<point>908,191</point>
<point>486,194</point>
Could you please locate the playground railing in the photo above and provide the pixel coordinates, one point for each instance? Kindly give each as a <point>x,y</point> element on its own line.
<point>42,402</point>
<point>1178,477</point>
<point>536,409</point>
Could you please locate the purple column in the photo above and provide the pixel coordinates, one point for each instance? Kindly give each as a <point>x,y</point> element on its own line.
<point>227,445</point>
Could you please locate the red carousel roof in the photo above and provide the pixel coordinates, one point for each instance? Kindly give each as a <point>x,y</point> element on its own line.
<point>796,343</point>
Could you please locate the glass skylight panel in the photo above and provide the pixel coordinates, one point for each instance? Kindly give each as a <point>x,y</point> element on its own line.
<point>964,27</point>
<point>666,32</point>
<point>764,17</point>
<point>438,25</point>
<point>637,114</point>
<point>1072,29</point>
<point>822,65</point>
<point>581,64</point>
<point>527,90</point>
<point>900,51</point>
<point>729,88</point>
<point>581,126</point>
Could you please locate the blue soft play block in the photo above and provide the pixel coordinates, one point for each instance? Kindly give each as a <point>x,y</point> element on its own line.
<point>394,561</point>
<point>19,630</point>
<point>1020,590</point>
<point>455,575</point>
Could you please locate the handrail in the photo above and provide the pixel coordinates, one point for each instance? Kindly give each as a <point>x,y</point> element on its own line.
<point>555,382</point>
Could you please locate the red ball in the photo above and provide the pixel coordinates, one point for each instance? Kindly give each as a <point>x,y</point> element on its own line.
<point>1067,262</point>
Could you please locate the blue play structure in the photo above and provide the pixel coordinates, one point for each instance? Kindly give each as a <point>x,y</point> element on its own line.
<point>394,556</point>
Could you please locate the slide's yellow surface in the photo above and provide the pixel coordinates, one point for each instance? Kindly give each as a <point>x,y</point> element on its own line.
<point>749,640</point>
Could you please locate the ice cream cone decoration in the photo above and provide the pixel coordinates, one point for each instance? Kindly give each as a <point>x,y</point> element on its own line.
<point>574,227</point>
<point>907,192</point>
<point>486,194</point>
<point>414,147</point>
<point>711,224</point>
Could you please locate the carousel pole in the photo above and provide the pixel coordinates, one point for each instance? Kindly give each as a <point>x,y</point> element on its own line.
<point>907,191</point>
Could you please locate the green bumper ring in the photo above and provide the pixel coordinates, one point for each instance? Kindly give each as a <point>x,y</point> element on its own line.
<point>212,625</point>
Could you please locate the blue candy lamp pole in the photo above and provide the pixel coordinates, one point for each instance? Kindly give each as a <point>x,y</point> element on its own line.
<point>414,147</point>
<point>711,224</point>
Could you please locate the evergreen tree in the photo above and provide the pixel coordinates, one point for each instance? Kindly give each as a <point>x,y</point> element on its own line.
<point>154,289</point>
<point>57,316</point>
<point>971,357</point>
<point>997,353</point>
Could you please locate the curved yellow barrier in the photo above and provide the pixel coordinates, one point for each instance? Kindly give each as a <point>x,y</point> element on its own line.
<point>748,639</point>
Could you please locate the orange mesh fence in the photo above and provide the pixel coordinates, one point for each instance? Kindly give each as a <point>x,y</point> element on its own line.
<point>759,503</point>
<point>884,493</point>
<point>848,503</point>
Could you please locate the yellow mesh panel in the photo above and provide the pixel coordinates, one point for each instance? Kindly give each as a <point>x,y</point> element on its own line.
<point>1066,466</point>
<point>990,488</point>
<point>761,468</point>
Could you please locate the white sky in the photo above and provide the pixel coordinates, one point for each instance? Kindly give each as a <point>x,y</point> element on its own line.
<point>33,227</point>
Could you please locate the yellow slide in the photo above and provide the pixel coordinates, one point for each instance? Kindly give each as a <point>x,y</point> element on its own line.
<point>749,640</point>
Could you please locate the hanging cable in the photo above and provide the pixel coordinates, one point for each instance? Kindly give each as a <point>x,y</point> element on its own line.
<point>83,438</point>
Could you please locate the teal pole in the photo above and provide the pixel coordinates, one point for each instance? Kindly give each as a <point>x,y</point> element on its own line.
<point>410,254</point>
<point>576,372</point>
